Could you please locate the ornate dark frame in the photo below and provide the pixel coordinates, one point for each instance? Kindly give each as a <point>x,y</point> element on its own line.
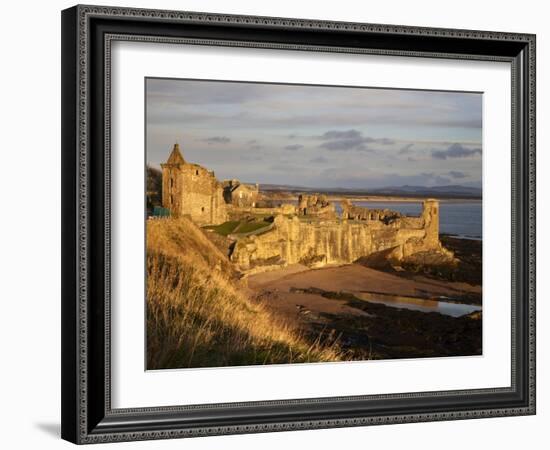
<point>87,33</point>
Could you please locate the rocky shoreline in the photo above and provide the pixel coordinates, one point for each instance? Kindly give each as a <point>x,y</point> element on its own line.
<point>468,268</point>
<point>385,332</point>
<point>326,305</point>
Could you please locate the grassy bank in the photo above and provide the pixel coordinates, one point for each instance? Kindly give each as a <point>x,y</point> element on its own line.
<point>238,226</point>
<point>199,316</point>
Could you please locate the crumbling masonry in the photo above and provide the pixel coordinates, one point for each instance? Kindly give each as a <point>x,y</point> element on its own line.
<point>317,243</point>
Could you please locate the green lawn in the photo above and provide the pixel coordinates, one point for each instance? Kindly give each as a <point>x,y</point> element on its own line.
<point>247,227</point>
<point>225,228</point>
<point>233,226</point>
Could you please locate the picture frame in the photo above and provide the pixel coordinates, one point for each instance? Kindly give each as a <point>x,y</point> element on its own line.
<point>87,35</point>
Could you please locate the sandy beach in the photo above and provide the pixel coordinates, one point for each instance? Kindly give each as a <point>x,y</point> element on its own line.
<point>335,301</point>
<point>357,278</point>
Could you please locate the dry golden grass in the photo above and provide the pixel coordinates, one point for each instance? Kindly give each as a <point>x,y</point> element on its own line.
<point>197,316</point>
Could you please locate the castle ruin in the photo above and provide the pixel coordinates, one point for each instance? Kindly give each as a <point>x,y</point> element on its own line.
<point>316,205</point>
<point>310,233</point>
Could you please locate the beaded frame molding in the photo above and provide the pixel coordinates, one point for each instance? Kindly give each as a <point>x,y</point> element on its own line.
<point>87,35</point>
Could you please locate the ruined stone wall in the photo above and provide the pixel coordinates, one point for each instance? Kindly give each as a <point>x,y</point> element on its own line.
<point>350,211</point>
<point>285,209</point>
<point>318,243</point>
<point>316,205</point>
<point>321,242</point>
<point>293,240</point>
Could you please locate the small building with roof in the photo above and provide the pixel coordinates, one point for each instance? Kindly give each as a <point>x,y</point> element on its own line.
<point>240,194</point>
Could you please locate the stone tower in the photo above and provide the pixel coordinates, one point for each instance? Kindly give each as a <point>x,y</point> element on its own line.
<point>430,214</point>
<point>190,189</point>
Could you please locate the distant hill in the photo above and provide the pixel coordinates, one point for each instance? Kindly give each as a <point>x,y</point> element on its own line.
<point>456,191</point>
<point>450,191</point>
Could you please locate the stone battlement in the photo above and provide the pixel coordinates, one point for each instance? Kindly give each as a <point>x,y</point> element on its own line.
<point>350,211</point>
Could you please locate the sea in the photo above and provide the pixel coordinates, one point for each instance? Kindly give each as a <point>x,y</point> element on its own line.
<point>460,219</point>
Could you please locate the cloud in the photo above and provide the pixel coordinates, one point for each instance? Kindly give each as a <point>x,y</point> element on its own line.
<point>432,178</point>
<point>441,181</point>
<point>285,167</point>
<point>234,105</point>
<point>335,134</point>
<point>319,160</point>
<point>345,144</point>
<point>170,91</point>
<point>406,150</point>
<point>349,140</point>
<point>294,147</point>
<point>456,151</point>
<point>217,140</point>
<point>251,157</point>
<point>368,179</point>
<point>222,124</point>
<point>254,144</point>
<point>456,174</point>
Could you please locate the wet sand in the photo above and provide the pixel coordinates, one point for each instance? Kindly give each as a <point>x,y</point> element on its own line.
<point>327,302</point>
<point>358,278</point>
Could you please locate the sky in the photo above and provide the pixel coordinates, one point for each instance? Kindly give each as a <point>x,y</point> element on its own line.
<point>317,136</point>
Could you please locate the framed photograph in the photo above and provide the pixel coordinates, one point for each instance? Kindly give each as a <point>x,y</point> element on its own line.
<point>277,224</point>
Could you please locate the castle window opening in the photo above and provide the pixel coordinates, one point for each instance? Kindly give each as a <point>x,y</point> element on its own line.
<point>171,182</point>
<point>196,172</point>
